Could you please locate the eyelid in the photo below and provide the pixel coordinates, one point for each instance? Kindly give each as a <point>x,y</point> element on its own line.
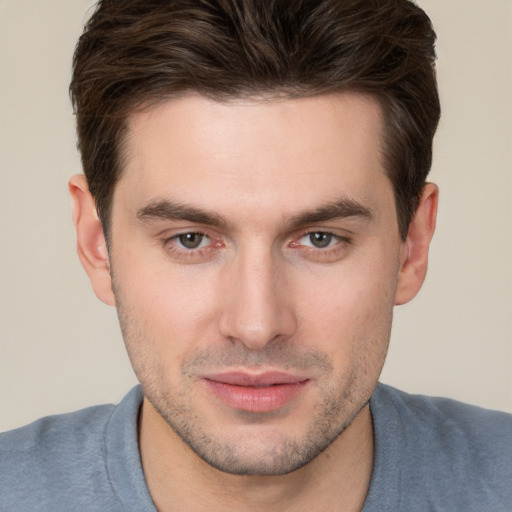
<point>204,240</point>
<point>209,251</point>
<point>342,237</point>
<point>333,239</point>
<point>193,255</point>
<point>166,238</point>
<point>330,254</point>
<point>171,232</point>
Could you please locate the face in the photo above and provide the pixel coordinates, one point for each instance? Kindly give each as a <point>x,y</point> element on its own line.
<point>255,255</point>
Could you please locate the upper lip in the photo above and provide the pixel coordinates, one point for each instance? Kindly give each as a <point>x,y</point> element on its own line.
<point>238,378</point>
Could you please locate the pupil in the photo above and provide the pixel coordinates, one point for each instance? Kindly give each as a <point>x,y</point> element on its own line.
<point>191,240</point>
<point>320,239</point>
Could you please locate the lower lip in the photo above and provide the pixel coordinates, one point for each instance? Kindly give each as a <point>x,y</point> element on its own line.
<point>256,399</point>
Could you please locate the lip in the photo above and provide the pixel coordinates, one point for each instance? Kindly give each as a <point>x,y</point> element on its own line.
<point>257,393</point>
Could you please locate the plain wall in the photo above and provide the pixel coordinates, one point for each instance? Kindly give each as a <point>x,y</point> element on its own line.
<point>60,348</point>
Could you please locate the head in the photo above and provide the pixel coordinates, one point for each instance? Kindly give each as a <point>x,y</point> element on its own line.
<point>134,54</point>
<point>259,170</point>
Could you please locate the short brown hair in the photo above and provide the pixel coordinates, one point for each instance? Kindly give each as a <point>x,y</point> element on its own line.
<point>135,52</point>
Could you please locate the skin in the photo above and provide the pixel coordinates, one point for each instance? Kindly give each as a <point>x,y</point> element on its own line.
<point>280,280</point>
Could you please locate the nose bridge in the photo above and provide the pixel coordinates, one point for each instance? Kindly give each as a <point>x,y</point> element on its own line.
<point>255,311</point>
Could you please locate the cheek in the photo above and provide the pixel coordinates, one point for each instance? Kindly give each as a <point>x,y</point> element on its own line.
<point>157,324</point>
<point>166,307</point>
<point>351,313</point>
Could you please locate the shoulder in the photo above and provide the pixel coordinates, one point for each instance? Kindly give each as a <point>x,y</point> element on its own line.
<point>63,455</point>
<point>446,420</point>
<point>57,432</point>
<point>50,456</point>
<point>451,451</point>
<point>444,415</point>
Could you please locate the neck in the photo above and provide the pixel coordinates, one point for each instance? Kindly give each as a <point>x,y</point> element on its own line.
<point>178,480</point>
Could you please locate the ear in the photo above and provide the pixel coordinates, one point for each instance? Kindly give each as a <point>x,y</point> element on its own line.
<point>414,255</point>
<point>91,244</point>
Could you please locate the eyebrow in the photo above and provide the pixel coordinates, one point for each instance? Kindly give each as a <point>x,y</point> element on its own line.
<point>339,209</point>
<point>167,210</point>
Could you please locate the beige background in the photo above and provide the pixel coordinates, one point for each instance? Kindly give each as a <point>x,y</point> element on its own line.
<point>60,348</point>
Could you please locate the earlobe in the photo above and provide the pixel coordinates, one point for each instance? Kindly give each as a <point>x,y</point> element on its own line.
<point>91,243</point>
<point>414,255</point>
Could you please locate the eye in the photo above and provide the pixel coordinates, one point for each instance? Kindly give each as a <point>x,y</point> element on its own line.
<point>322,246</point>
<point>192,240</point>
<point>319,239</point>
<point>190,247</point>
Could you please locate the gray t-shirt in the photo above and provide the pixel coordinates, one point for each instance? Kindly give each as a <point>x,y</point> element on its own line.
<point>431,454</point>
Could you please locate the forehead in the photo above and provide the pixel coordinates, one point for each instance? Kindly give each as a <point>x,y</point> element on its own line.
<point>279,151</point>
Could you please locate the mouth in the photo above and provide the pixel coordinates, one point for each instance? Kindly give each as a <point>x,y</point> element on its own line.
<point>259,393</point>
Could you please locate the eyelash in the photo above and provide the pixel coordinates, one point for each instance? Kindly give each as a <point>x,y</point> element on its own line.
<point>341,243</point>
<point>171,245</point>
<point>327,254</point>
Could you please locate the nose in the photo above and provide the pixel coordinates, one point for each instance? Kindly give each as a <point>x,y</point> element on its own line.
<point>257,308</point>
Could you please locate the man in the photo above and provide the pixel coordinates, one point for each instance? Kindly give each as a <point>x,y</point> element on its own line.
<point>254,204</point>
